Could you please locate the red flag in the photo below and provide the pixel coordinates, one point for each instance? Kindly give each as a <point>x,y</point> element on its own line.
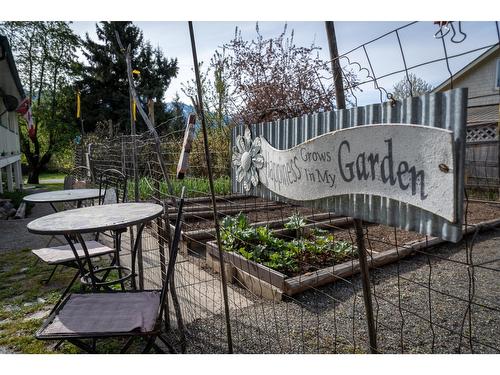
<point>23,107</point>
<point>24,110</point>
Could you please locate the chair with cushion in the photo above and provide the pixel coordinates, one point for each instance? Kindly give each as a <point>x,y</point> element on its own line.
<point>114,185</point>
<point>63,256</point>
<point>101,315</point>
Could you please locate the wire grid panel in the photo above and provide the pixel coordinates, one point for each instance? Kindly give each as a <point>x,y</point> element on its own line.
<point>327,318</point>
<point>438,300</point>
<point>198,284</point>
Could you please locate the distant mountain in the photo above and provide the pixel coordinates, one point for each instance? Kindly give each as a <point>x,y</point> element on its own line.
<point>186,108</point>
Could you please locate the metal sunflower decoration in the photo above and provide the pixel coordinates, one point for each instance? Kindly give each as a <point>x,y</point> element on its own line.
<point>247,159</point>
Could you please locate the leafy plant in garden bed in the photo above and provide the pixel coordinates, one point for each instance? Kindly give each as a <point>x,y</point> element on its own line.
<point>309,250</point>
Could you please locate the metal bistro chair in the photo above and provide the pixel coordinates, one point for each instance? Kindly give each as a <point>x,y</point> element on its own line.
<point>101,315</point>
<point>114,184</point>
<point>80,177</point>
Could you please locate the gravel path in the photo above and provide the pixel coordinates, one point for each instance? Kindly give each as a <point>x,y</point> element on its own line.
<point>331,319</point>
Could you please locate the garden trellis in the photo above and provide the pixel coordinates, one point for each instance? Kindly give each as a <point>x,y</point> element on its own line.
<point>426,298</point>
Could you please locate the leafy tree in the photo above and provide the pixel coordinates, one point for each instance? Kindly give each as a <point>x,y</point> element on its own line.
<point>414,86</point>
<point>274,78</point>
<point>46,59</point>
<point>105,93</point>
<point>216,100</point>
<point>215,89</point>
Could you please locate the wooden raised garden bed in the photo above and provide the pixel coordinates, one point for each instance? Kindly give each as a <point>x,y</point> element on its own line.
<point>271,284</point>
<point>198,226</point>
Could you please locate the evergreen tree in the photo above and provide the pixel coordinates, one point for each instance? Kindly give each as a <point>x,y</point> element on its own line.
<point>105,93</point>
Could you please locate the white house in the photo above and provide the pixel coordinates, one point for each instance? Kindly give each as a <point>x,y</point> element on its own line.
<point>482,78</point>
<point>10,151</point>
<point>482,156</point>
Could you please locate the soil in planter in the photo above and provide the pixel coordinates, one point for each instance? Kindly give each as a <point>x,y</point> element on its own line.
<point>478,212</point>
<point>382,237</point>
<point>262,215</point>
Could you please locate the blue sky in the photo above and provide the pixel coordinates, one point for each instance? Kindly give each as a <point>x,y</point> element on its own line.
<point>418,42</point>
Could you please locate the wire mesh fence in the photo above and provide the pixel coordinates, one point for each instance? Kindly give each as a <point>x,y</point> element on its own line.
<point>426,298</point>
<point>429,296</point>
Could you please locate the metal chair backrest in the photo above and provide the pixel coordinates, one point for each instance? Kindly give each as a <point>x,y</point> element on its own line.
<point>114,185</point>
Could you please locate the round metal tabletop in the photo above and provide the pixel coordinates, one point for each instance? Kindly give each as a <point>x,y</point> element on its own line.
<point>63,195</point>
<point>96,218</point>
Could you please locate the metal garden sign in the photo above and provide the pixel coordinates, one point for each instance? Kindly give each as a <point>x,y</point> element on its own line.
<point>403,167</point>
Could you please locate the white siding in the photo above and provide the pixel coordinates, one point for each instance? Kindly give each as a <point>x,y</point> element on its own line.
<point>481,82</point>
<point>9,134</point>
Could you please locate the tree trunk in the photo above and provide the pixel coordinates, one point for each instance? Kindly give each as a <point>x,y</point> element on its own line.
<point>35,162</point>
<point>36,165</point>
<point>34,174</point>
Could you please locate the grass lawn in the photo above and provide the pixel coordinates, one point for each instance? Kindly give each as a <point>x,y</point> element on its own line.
<point>47,186</point>
<point>50,176</point>
<point>25,301</point>
<point>195,187</point>
<point>47,176</point>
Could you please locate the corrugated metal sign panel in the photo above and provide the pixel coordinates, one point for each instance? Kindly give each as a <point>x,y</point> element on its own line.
<point>441,110</point>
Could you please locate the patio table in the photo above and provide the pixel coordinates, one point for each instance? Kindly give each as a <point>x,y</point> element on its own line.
<point>113,217</point>
<point>62,196</point>
<point>59,196</point>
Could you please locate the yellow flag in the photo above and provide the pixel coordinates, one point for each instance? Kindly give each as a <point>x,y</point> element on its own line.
<point>134,109</point>
<point>78,104</point>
